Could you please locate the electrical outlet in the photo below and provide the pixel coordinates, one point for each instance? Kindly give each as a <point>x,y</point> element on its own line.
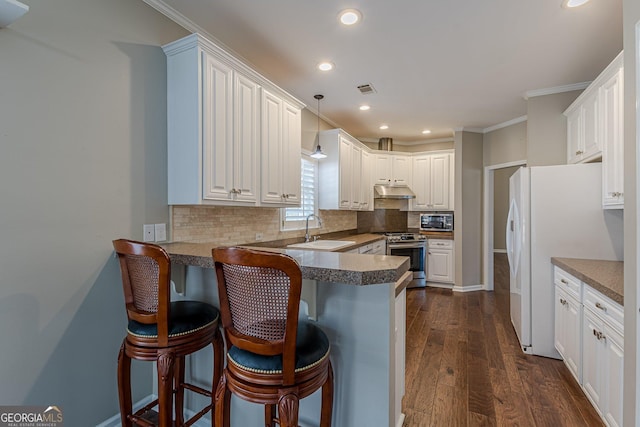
<point>149,233</point>
<point>259,236</point>
<point>161,232</point>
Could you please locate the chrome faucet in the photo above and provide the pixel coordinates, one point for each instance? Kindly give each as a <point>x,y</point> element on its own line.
<point>306,233</point>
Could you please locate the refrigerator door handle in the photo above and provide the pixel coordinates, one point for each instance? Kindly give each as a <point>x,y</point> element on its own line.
<point>514,244</point>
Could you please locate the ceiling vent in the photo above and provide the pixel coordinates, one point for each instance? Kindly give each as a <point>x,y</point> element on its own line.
<point>366,89</point>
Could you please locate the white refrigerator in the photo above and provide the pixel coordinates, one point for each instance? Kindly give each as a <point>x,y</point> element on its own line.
<point>554,211</point>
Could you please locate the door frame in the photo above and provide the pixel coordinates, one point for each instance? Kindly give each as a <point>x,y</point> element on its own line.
<point>487,204</point>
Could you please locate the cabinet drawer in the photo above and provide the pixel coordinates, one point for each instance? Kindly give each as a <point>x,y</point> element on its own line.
<point>366,249</point>
<point>440,244</point>
<point>604,307</point>
<point>567,282</point>
<point>380,247</point>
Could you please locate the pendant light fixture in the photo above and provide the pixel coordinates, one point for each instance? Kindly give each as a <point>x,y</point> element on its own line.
<point>318,154</point>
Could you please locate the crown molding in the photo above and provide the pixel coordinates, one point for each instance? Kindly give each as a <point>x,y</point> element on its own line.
<point>505,124</point>
<point>553,90</point>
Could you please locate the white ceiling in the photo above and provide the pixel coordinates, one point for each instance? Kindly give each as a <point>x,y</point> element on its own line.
<point>436,64</point>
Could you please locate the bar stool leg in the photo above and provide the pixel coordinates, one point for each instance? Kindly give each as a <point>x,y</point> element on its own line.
<point>288,407</point>
<point>223,403</point>
<point>327,399</point>
<point>269,415</point>
<point>124,386</point>
<point>165,390</point>
<point>178,381</point>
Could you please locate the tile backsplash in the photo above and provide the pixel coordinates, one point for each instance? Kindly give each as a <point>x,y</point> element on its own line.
<point>232,225</point>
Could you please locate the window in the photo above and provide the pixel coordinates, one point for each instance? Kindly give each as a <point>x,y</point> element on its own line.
<point>295,218</point>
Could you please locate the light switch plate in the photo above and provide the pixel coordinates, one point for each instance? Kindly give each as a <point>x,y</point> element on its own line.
<point>161,232</point>
<point>149,233</point>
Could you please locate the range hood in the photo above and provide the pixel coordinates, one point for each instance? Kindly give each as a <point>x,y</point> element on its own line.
<point>392,192</point>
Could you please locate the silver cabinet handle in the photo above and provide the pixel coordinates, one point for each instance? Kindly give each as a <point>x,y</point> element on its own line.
<point>563,301</point>
<point>599,335</point>
<point>601,307</point>
<point>564,281</point>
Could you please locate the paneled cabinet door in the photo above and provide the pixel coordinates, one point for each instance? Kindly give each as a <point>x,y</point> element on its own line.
<point>614,378</point>
<point>345,173</point>
<point>291,145</point>
<point>440,182</point>
<point>246,148</point>
<point>440,265</point>
<point>593,359</point>
<point>280,151</point>
<point>574,136</point>
<point>591,142</point>
<point>420,183</point>
<point>217,106</point>
<point>366,187</point>
<point>613,142</point>
<point>382,171</point>
<point>401,170</point>
<point>568,321</point>
<point>356,177</point>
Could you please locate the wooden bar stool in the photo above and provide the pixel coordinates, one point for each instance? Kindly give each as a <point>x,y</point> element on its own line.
<point>162,331</point>
<point>271,359</point>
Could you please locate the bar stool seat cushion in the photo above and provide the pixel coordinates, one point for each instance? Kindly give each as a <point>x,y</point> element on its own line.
<point>312,347</point>
<point>185,317</point>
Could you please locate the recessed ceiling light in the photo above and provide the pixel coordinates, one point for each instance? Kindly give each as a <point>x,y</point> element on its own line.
<point>364,107</point>
<point>426,131</point>
<point>384,127</point>
<point>325,66</point>
<point>573,3</point>
<point>350,16</point>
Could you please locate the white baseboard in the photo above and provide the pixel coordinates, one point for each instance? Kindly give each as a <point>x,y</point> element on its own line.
<point>440,285</point>
<point>499,251</point>
<point>471,288</point>
<point>400,422</point>
<point>115,420</point>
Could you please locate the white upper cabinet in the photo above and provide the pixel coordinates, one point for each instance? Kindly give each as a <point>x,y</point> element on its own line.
<point>281,139</point>
<point>432,182</point>
<point>345,175</point>
<point>595,126</point>
<point>612,94</point>
<point>392,169</point>
<point>214,128</point>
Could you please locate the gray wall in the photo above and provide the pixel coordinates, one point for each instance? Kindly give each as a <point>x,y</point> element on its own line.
<point>310,129</point>
<point>505,145</point>
<point>501,205</point>
<point>468,208</point>
<point>547,128</point>
<point>83,137</point>
<point>631,16</point>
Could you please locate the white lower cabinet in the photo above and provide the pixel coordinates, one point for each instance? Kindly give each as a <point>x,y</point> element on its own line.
<point>589,337</point>
<point>400,346</point>
<point>440,261</point>
<point>568,318</point>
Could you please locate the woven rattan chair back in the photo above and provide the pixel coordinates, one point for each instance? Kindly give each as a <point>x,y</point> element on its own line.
<point>146,272</point>
<point>259,299</point>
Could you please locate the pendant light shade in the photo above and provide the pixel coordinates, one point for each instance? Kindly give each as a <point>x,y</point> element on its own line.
<point>318,154</point>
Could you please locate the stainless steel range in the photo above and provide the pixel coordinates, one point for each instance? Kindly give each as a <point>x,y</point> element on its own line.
<point>413,246</point>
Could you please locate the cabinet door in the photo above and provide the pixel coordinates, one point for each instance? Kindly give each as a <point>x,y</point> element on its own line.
<point>246,149</point>
<point>439,182</point>
<point>400,346</point>
<point>613,142</point>
<point>593,359</point>
<point>345,173</point>
<point>366,187</point>
<point>290,153</point>
<point>440,265</point>
<point>356,178</point>
<point>614,377</point>
<point>401,170</point>
<point>560,317</point>
<point>573,333</point>
<point>420,183</point>
<point>574,136</point>
<point>217,129</point>
<point>271,140</point>
<point>590,126</point>
<point>382,169</point>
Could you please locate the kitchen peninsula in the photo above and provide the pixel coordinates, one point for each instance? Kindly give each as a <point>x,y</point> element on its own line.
<point>358,300</point>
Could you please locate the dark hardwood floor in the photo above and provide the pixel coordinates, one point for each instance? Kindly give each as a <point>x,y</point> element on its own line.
<point>465,367</point>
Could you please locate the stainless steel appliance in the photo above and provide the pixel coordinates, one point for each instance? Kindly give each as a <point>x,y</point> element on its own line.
<point>413,246</point>
<point>436,222</point>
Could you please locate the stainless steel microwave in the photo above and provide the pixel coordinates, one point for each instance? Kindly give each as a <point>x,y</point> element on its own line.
<point>436,222</point>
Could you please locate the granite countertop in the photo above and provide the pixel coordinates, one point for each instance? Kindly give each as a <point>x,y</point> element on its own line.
<point>352,269</point>
<point>359,239</point>
<point>606,277</point>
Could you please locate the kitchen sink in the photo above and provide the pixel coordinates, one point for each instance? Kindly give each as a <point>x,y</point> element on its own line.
<point>325,245</point>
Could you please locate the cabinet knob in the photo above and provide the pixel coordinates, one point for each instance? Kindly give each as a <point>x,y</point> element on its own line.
<point>564,281</point>
<point>579,152</point>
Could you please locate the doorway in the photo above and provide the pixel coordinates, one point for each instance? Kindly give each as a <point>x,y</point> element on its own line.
<point>494,176</point>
